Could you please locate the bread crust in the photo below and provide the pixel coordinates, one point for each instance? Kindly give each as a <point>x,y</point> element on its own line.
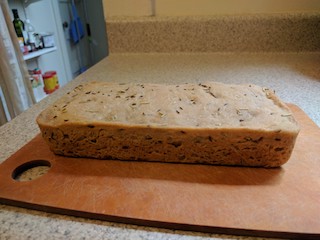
<point>210,123</point>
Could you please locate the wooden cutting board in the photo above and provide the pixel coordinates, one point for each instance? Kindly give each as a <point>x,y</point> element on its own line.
<point>282,202</point>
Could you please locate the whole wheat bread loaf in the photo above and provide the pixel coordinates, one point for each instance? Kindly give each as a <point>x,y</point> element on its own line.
<point>211,123</point>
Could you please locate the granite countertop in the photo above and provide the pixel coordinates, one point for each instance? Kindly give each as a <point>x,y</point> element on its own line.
<point>294,77</point>
<point>285,32</point>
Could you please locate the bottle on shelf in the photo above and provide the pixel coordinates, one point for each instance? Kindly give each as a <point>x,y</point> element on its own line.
<point>18,26</point>
<point>31,35</point>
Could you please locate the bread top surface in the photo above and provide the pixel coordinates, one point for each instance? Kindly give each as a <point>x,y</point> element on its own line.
<point>205,105</point>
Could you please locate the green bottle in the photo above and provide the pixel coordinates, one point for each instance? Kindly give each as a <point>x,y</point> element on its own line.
<point>18,24</point>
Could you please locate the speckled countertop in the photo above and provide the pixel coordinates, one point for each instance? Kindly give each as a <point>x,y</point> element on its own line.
<point>285,32</point>
<point>294,76</point>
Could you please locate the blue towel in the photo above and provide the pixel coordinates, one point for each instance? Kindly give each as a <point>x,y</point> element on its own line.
<point>76,28</point>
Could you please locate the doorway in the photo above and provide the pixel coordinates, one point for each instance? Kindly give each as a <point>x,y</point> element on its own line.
<point>84,33</point>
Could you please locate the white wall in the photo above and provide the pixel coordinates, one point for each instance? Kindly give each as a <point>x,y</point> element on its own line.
<point>205,7</point>
<point>127,7</point>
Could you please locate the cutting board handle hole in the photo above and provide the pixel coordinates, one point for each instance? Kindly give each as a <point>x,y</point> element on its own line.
<point>31,170</point>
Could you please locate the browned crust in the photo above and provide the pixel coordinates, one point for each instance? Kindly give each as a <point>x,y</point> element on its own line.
<point>186,144</point>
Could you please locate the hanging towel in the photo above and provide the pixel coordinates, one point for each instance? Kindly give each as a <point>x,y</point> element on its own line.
<point>76,27</point>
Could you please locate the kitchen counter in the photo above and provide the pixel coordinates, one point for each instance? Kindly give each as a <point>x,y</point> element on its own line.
<point>294,76</point>
<point>277,32</point>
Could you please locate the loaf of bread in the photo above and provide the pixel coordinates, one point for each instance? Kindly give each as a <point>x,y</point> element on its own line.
<point>209,123</point>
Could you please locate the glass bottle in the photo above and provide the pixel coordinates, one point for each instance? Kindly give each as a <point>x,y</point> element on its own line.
<point>31,35</point>
<point>18,25</point>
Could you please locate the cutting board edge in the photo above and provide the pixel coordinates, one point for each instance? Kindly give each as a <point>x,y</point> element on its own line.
<point>161,224</point>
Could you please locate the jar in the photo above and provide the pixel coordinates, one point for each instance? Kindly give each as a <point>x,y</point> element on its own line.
<point>37,76</point>
<point>51,82</point>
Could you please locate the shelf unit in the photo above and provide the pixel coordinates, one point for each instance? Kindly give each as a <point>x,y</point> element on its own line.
<point>38,53</point>
<point>33,57</point>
